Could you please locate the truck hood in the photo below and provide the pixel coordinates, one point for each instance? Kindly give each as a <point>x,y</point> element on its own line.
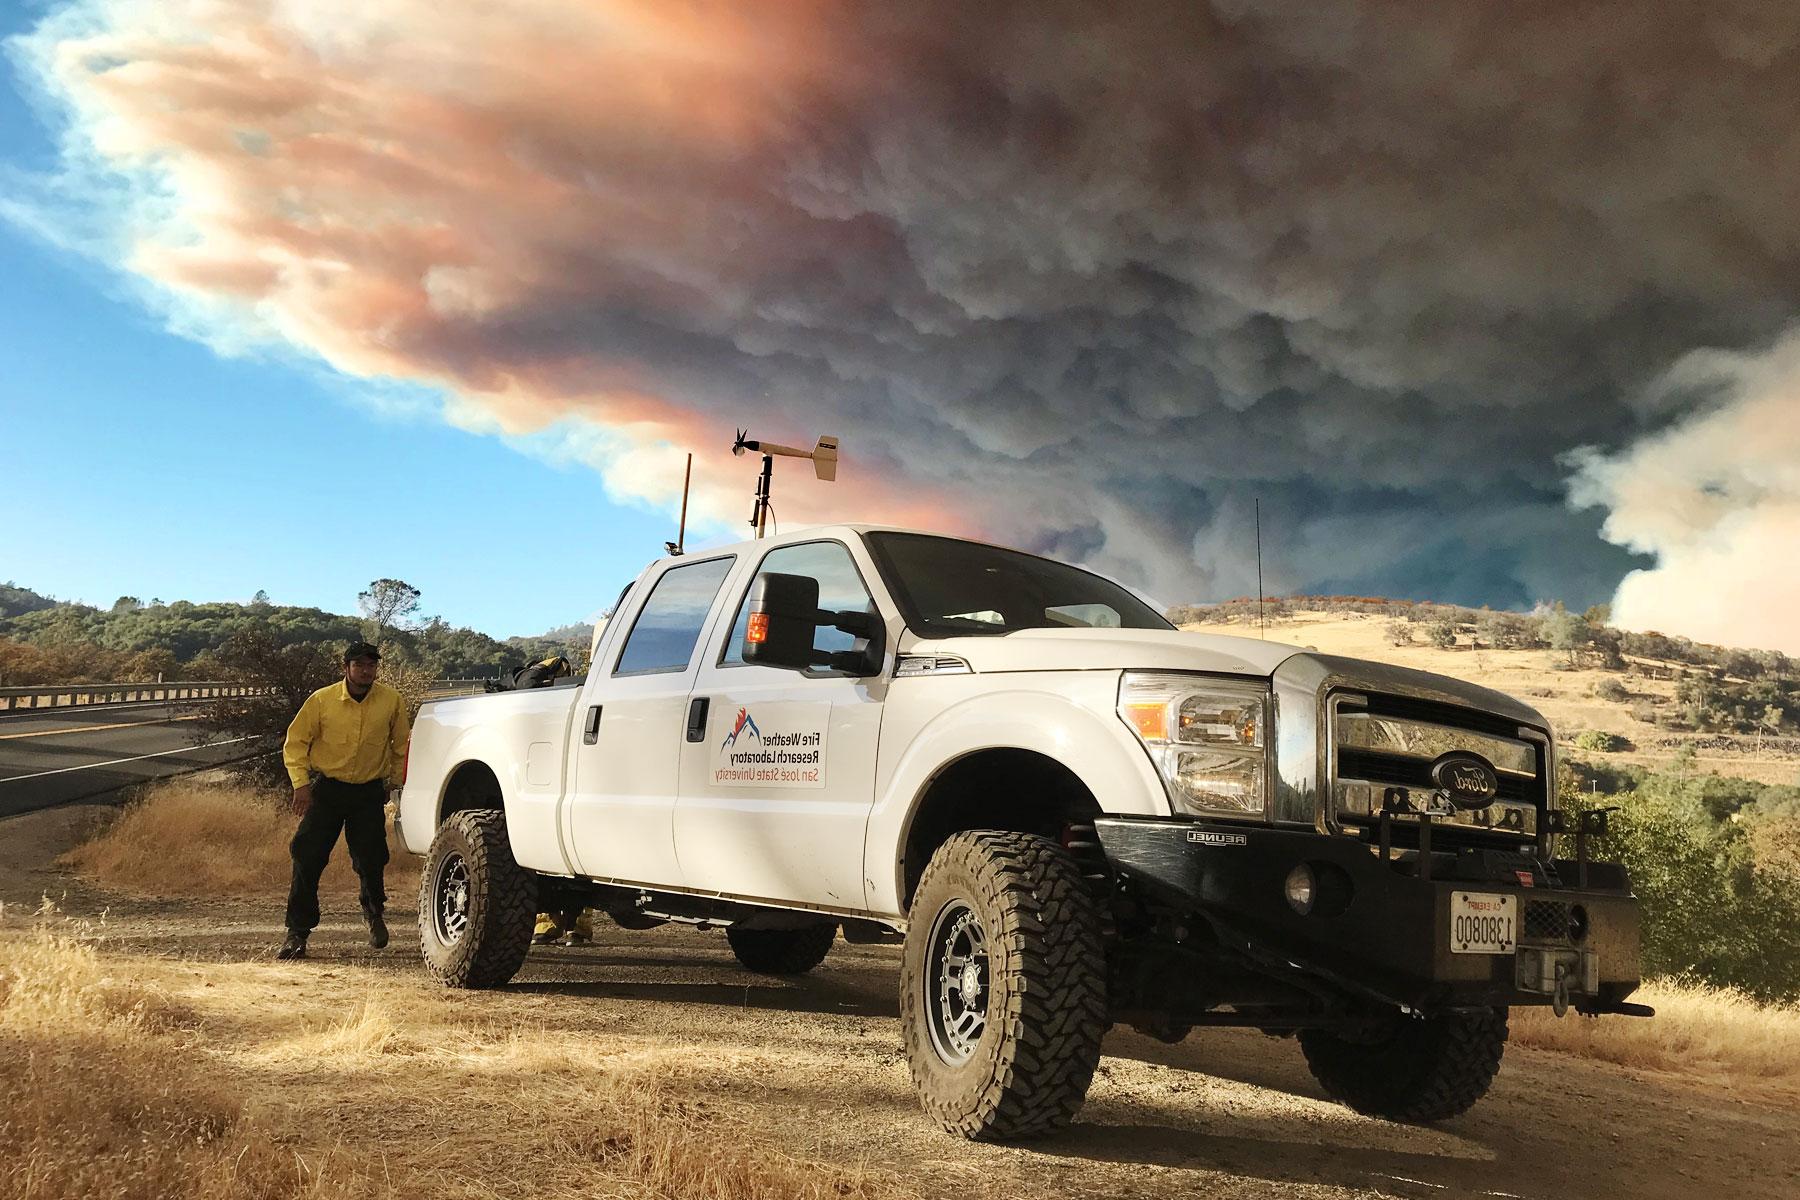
<point>1109,649</point>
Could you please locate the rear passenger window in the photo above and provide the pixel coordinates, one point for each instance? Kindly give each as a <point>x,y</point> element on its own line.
<point>668,627</point>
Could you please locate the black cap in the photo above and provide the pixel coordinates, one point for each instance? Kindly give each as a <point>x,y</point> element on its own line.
<point>356,650</point>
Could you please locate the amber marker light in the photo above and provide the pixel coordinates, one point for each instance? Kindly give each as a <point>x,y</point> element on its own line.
<point>1150,720</point>
<point>758,629</point>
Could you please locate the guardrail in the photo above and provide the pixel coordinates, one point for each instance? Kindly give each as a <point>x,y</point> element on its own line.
<point>81,695</point>
<point>457,687</point>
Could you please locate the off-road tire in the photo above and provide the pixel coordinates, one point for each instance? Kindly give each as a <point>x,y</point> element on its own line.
<point>782,951</point>
<point>501,906</point>
<point>1046,992</point>
<point>1424,1070</point>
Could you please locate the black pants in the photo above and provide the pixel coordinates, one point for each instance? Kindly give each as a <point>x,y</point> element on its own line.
<point>355,809</point>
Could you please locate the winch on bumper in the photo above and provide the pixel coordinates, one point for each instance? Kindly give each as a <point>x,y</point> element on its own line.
<point>1450,929</point>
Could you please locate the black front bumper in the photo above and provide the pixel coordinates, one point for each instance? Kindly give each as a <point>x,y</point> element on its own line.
<point>1378,929</point>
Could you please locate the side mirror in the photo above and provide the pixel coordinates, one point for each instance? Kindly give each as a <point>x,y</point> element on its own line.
<point>784,616</point>
<point>784,612</point>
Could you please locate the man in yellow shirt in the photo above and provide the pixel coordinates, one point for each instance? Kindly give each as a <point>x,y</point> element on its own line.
<point>345,746</point>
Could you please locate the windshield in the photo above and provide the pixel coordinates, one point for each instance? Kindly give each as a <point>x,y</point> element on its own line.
<point>946,587</point>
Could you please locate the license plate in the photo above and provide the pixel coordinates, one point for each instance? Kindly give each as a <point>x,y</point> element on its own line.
<point>1481,923</point>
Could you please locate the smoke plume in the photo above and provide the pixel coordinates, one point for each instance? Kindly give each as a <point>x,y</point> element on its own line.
<point>1089,278</point>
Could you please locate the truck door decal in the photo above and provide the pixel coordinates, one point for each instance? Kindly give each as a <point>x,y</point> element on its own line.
<point>774,745</point>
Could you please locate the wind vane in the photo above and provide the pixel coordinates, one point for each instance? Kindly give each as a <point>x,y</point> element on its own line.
<point>824,460</point>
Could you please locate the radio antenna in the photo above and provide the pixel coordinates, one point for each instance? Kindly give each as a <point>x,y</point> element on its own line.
<point>824,460</point>
<point>1261,626</point>
<point>678,547</point>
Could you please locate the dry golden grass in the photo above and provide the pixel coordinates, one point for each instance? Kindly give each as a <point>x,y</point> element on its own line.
<point>190,839</point>
<point>144,1078</point>
<point>100,1100</point>
<point>1697,1030</point>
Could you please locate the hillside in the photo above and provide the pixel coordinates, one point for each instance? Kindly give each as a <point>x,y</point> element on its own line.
<point>16,601</point>
<point>1636,702</point>
<point>50,641</point>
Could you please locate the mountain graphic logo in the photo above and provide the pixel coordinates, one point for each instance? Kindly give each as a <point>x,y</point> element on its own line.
<point>745,724</point>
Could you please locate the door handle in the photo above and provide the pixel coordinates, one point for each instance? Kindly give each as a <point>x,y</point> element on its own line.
<point>590,732</point>
<point>696,729</point>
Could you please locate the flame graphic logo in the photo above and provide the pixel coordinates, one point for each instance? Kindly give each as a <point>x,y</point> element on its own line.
<point>745,723</point>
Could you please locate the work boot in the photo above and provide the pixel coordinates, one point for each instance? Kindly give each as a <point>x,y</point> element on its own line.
<point>378,934</point>
<point>294,947</point>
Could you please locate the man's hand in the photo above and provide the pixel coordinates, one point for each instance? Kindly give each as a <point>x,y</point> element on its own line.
<point>303,798</point>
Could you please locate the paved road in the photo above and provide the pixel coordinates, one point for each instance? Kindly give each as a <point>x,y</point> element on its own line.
<point>58,755</point>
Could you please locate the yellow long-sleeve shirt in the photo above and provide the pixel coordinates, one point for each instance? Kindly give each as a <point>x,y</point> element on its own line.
<point>349,740</point>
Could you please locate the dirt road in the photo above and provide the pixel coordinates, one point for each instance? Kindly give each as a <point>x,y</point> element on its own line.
<point>816,1067</point>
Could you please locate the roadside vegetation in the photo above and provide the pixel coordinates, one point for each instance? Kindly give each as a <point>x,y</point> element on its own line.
<point>200,840</point>
<point>44,641</point>
<point>1716,863</point>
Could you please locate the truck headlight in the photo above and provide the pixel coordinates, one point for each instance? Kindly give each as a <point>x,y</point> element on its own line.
<point>1208,738</point>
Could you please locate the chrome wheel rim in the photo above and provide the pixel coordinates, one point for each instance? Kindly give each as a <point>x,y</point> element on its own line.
<point>957,986</point>
<point>450,907</point>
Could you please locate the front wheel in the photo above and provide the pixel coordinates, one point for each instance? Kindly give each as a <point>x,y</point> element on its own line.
<point>477,906</point>
<point>1410,1069</point>
<point>1002,986</point>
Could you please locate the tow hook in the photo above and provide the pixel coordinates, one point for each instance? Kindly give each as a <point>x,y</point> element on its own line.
<point>1559,1000</point>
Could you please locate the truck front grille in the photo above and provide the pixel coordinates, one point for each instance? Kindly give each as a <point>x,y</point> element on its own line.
<point>1383,748</point>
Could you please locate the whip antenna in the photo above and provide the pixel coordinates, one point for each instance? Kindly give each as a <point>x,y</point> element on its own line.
<point>679,545</point>
<point>1261,627</point>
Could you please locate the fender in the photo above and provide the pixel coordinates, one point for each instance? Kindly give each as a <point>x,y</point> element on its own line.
<point>530,808</point>
<point>1072,721</point>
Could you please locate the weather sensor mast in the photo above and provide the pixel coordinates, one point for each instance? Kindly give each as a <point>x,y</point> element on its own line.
<point>824,460</point>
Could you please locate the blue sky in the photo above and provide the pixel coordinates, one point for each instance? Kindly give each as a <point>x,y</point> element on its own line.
<point>139,462</point>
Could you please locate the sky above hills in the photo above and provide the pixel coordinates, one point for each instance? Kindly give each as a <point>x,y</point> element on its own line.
<point>1482,305</point>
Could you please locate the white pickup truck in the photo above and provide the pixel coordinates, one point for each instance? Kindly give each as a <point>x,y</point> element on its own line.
<point>1071,812</point>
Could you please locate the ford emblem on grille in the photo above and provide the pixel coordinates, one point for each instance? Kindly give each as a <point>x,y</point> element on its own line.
<point>1466,779</point>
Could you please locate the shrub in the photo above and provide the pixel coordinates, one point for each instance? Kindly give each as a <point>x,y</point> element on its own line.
<point>1709,914</point>
<point>1599,739</point>
<point>1442,634</point>
<point>1612,689</point>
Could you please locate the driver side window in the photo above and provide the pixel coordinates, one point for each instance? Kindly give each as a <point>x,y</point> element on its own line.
<point>840,590</point>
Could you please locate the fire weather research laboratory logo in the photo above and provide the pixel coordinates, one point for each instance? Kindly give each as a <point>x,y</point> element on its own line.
<point>744,725</point>
<point>782,746</point>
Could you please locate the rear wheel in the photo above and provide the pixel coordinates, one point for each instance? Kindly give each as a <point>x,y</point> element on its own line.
<point>782,951</point>
<point>1002,986</point>
<point>1410,1069</point>
<point>476,905</point>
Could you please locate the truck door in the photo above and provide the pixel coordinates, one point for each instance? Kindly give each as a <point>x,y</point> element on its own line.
<point>629,727</point>
<point>778,775</point>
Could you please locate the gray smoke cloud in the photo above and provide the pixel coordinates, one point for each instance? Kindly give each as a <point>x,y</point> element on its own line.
<point>1087,278</point>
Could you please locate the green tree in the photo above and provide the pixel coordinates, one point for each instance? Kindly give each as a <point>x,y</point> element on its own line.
<point>1563,630</point>
<point>387,604</point>
<point>283,676</point>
